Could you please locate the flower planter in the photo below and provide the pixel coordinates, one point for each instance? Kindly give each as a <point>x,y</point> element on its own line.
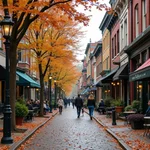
<point>119,109</point>
<point>19,121</point>
<point>137,124</point>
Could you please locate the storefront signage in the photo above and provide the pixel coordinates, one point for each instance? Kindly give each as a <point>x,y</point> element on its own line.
<point>140,76</point>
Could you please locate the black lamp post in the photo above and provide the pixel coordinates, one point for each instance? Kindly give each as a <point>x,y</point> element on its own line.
<point>55,94</point>
<point>7,25</point>
<point>50,93</point>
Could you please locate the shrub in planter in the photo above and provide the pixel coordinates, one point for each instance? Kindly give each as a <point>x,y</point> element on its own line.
<point>21,111</point>
<point>136,105</point>
<point>108,101</point>
<point>128,108</point>
<point>136,120</point>
<point>118,104</point>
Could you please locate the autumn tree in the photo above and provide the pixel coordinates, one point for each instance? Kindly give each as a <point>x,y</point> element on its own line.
<point>23,13</point>
<point>50,43</point>
<point>66,75</point>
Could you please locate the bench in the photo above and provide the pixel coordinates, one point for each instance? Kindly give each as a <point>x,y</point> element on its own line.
<point>101,110</point>
<point>29,117</point>
<point>36,111</point>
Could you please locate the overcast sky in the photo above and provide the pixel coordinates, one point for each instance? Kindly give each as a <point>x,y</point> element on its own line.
<point>92,31</point>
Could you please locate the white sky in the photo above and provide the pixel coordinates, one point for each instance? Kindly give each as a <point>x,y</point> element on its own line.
<point>92,31</point>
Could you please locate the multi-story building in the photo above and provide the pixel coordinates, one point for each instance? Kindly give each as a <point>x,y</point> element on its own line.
<point>120,79</point>
<point>97,56</point>
<point>138,50</point>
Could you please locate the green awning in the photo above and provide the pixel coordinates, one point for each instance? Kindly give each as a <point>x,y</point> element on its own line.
<point>140,75</point>
<point>23,79</point>
<point>108,78</point>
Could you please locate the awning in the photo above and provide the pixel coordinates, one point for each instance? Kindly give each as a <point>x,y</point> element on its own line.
<point>109,76</point>
<point>85,91</point>
<point>82,91</point>
<point>122,73</point>
<point>23,79</point>
<point>98,83</point>
<point>143,72</point>
<point>2,73</point>
<point>93,89</point>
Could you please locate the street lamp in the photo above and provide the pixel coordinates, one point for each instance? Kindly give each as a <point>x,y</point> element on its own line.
<point>7,26</point>
<point>50,93</point>
<point>55,85</point>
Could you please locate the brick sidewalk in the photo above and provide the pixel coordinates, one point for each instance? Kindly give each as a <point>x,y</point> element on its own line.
<point>128,138</point>
<point>31,127</point>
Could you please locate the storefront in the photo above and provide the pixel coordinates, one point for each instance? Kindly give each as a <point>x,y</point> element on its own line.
<point>139,76</point>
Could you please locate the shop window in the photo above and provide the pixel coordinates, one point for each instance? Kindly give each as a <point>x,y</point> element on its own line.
<point>138,87</point>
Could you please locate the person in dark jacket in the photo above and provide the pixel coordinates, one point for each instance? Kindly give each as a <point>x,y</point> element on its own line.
<point>79,105</point>
<point>91,105</point>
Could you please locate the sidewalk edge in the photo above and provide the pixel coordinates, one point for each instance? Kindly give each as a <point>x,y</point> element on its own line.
<point>18,144</point>
<point>120,141</point>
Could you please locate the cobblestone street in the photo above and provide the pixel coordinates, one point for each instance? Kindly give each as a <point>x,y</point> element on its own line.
<point>67,132</point>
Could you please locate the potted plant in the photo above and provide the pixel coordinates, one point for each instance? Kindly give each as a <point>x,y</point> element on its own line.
<point>136,105</point>
<point>128,108</point>
<point>118,103</point>
<point>108,101</point>
<point>21,111</point>
<point>136,120</point>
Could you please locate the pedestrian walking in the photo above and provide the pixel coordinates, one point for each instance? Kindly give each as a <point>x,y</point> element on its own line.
<point>73,102</point>
<point>91,105</point>
<point>82,111</point>
<point>65,102</point>
<point>60,105</point>
<point>79,105</point>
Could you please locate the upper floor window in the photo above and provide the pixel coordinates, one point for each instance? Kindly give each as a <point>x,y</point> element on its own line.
<point>117,41</point>
<point>143,15</point>
<point>107,63</point>
<point>112,47</point>
<point>144,56</point>
<point>125,33</point>
<point>122,40</point>
<point>136,21</point>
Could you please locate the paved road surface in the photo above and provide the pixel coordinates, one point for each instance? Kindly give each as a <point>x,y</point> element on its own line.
<point>67,132</point>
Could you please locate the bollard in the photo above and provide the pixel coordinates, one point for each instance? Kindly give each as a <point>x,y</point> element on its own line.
<point>114,117</point>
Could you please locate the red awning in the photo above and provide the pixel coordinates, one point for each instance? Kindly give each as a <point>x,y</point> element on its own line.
<point>146,64</point>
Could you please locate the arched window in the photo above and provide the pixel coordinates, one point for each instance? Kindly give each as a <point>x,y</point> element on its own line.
<point>136,21</point>
<point>143,15</point>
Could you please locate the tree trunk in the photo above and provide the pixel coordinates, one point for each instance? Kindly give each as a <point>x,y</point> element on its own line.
<point>41,90</point>
<point>12,57</point>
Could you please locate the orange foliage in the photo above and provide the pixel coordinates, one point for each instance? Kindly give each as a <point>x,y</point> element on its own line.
<point>57,45</point>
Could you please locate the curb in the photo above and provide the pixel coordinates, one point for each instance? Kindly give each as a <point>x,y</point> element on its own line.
<point>120,141</point>
<point>29,134</point>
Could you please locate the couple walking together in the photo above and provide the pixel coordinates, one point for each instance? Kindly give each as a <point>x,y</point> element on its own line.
<point>90,105</point>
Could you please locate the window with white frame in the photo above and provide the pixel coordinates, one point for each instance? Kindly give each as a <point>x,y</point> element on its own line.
<point>122,40</point>
<point>143,15</point>
<point>136,21</point>
<point>125,33</point>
